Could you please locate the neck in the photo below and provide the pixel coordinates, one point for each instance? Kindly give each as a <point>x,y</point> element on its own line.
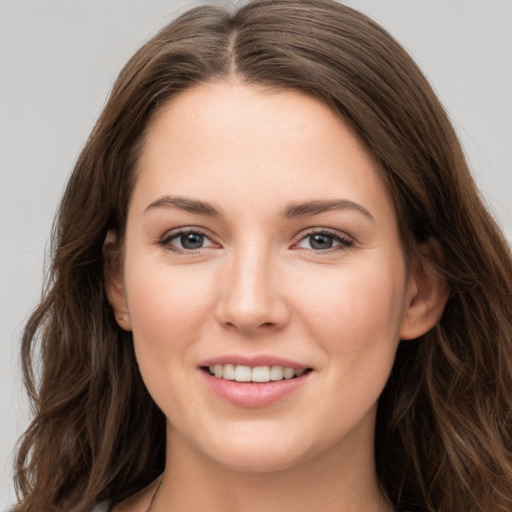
<point>339,480</point>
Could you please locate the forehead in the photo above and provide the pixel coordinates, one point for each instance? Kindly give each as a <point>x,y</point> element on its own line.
<point>256,143</point>
<point>245,116</point>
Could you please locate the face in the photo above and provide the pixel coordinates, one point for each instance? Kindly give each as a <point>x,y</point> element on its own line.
<point>261,247</point>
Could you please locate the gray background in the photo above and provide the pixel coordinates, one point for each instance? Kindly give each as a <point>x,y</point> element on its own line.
<point>58,60</point>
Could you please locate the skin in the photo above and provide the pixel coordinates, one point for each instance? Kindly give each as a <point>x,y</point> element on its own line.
<point>259,286</point>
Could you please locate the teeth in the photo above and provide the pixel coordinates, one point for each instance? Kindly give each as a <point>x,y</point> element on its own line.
<point>288,373</point>
<point>261,374</point>
<point>241,373</point>
<point>276,373</point>
<point>228,372</point>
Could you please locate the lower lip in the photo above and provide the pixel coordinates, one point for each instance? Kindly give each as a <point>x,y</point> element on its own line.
<point>253,394</point>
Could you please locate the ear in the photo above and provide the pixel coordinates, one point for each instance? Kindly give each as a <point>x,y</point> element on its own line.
<point>427,292</point>
<point>113,279</point>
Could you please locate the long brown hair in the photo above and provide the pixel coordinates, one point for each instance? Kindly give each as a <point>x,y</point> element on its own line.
<point>444,426</point>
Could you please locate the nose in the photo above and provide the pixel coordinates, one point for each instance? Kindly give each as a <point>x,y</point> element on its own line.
<point>252,300</point>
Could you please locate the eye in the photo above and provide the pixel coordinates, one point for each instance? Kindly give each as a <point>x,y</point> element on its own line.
<point>324,241</point>
<point>186,240</point>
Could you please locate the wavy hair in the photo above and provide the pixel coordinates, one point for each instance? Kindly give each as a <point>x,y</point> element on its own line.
<point>444,424</point>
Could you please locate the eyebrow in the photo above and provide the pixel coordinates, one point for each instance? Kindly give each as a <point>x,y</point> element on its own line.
<point>186,204</point>
<point>307,208</point>
<point>292,210</point>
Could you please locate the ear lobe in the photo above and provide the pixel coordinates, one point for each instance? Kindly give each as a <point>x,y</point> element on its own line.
<point>427,292</point>
<point>114,286</point>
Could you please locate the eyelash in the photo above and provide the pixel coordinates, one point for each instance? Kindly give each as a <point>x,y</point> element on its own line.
<point>344,243</point>
<point>166,240</point>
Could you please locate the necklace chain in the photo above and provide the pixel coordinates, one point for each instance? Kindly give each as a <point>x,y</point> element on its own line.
<point>155,494</point>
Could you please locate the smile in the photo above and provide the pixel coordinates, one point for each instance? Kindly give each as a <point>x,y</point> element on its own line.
<point>260,374</point>
<point>255,381</point>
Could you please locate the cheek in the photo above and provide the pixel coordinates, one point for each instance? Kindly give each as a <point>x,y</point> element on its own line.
<point>357,313</point>
<point>167,308</point>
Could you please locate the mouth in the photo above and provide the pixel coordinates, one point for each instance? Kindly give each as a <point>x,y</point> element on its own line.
<point>254,381</point>
<point>254,374</point>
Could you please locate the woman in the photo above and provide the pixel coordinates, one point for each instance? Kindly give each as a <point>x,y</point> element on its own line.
<point>265,292</point>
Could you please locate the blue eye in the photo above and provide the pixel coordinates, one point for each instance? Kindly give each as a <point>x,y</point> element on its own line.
<point>323,241</point>
<point>191,241</point>
<point>187,241</point>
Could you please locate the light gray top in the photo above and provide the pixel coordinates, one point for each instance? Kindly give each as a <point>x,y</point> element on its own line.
<point>102,507</point>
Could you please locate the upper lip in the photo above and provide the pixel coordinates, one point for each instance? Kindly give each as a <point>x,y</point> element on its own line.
<point>254,361</point>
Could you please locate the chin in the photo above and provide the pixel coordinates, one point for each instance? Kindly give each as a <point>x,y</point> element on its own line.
<point>258,460</point>
<point>260,451</point>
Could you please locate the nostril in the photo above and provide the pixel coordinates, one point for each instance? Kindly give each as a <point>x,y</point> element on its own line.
<point>251,326</point>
